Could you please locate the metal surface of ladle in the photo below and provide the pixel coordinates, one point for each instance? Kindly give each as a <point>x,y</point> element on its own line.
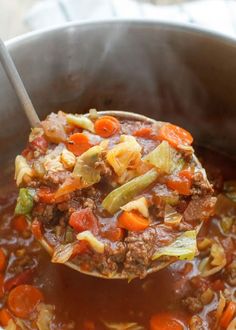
<point>33,118</point>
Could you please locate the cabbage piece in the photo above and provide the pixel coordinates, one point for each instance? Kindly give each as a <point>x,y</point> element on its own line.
<point>123,326</point>
<point>125,155</point>
<point>22,169</point>
<point>232,325</point>
<point>172,217</point>
<point>80,121</point>
<point>11,325</point>
<point>35,132</point>
<point>161,157</point>
<point>125,193</point>
<point>215,262</point>
<point>25,201</point>
<point>220,307</point>
<point>226,223</point>
<point>184,247</point>
<point>52,161</point>
<point>68,159</point>
<point>139,204</point>
<point>95,244</point>
<point>85,166</point>
<point>230,190</point>
<point>45,316</point>
<point>62,253</point>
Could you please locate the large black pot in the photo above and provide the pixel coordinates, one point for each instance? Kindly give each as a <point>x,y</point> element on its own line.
<point>166,71</point>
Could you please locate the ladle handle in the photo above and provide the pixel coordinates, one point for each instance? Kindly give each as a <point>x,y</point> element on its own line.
<point>15,80</point>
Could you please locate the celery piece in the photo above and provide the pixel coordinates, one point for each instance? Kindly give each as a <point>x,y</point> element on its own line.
<point>128,191</point>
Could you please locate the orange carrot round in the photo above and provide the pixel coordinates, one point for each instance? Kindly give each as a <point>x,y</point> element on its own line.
<point>175,135</point>
<point>23,300</point>
<point>20,223</point>
<point>5,317</point>
<point>165,321</point>
<point>3,260</point>
<point>78,143</point>
<point>106,126</point>
<point>228,315</point>
<point>132,221</point>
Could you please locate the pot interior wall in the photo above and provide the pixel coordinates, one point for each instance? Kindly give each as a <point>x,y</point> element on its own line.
<point>163,71</point>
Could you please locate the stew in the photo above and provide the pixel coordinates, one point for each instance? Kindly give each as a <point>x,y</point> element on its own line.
<point>115,197</point>
<point>197,294</point>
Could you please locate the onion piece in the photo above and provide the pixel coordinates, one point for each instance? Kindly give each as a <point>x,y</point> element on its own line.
<point>184,247</point>
<point>22,169</point>
<point>139,204</point>
<point>95,244</point>
<point>45,316</point>
<point>62,253</point>
<point>54,129</point>
<point>172,217</point>
<point>80,121</point>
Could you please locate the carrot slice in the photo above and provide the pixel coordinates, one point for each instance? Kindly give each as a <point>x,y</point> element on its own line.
<point>36,228</point>
<point>78,143</point>
<point>70,184</point>
<point>23,278</point>
<point>181,184</point>
<point>20,223</point>
<point>1,286</point>
<point>175,135</point>
<point>228,315</point>
<point>132,221</point>
<point>145,132</point>
<point>165,321</point>
<point>5,317</point>
<point>106,126</point>
<point>23,300</point>
<point>3,260</point>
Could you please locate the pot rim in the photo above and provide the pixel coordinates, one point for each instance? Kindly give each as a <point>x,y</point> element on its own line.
<point>178,26</point>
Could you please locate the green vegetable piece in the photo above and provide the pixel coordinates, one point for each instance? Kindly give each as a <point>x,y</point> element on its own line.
<point>80,121</point>
<point>161,157</point>
<point>230,190</point>
<point>25,201</point>
<point>184,247</point>
<point>226,223</point>
<point>85,166</point>
<point>128,191</point>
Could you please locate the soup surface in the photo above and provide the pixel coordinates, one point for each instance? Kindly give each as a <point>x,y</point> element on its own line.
<point>197,294</point>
